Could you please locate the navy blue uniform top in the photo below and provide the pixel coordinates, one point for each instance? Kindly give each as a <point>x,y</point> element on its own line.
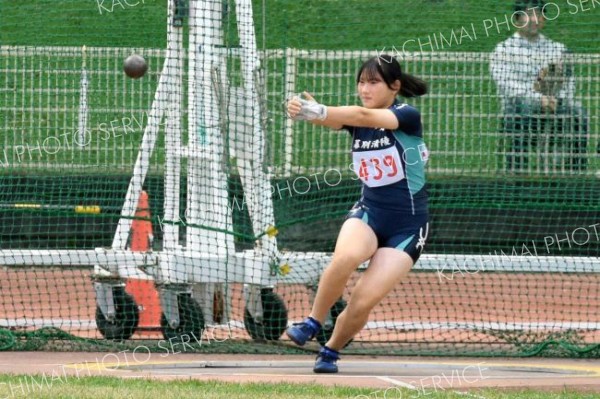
<point>391,163</point>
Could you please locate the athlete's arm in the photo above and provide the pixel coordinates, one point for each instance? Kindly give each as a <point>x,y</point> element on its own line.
<point>354,115</point>
<point>337,117</point>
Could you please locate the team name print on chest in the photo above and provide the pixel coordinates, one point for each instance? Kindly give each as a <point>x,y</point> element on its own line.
<point>376,161</point>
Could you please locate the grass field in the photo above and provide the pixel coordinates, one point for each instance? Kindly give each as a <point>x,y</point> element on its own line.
<point>106,387</point>
<point>460,113</point>
<point>333,24</point>
<point>39,99</point>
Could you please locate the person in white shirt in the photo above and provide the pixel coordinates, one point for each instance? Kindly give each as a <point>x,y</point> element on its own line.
<point>537,88</point>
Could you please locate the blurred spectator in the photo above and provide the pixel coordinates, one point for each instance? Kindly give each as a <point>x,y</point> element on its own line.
<point>537,88</point>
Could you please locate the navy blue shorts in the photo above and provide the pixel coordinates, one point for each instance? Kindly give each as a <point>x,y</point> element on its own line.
<point>400,230</point>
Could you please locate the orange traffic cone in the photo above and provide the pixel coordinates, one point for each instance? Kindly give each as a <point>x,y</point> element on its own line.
<point>143,291</point>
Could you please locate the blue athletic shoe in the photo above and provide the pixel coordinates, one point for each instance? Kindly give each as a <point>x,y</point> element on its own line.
<point>305,331</point>
<point>326,361</point>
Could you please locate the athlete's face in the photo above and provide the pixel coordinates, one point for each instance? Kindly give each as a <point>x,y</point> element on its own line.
<point>375,93</point>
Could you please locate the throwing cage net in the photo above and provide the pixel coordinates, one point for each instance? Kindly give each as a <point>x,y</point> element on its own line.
<point>184,207</point>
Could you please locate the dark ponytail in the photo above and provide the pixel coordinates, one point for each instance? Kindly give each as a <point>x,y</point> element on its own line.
<point>411,86</point>
<point>389,69</point>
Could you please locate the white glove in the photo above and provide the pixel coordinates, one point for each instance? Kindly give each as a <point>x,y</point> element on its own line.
<point>310,110</point>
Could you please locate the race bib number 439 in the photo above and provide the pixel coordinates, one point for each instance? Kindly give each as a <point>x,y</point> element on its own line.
<point>378,168</point>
